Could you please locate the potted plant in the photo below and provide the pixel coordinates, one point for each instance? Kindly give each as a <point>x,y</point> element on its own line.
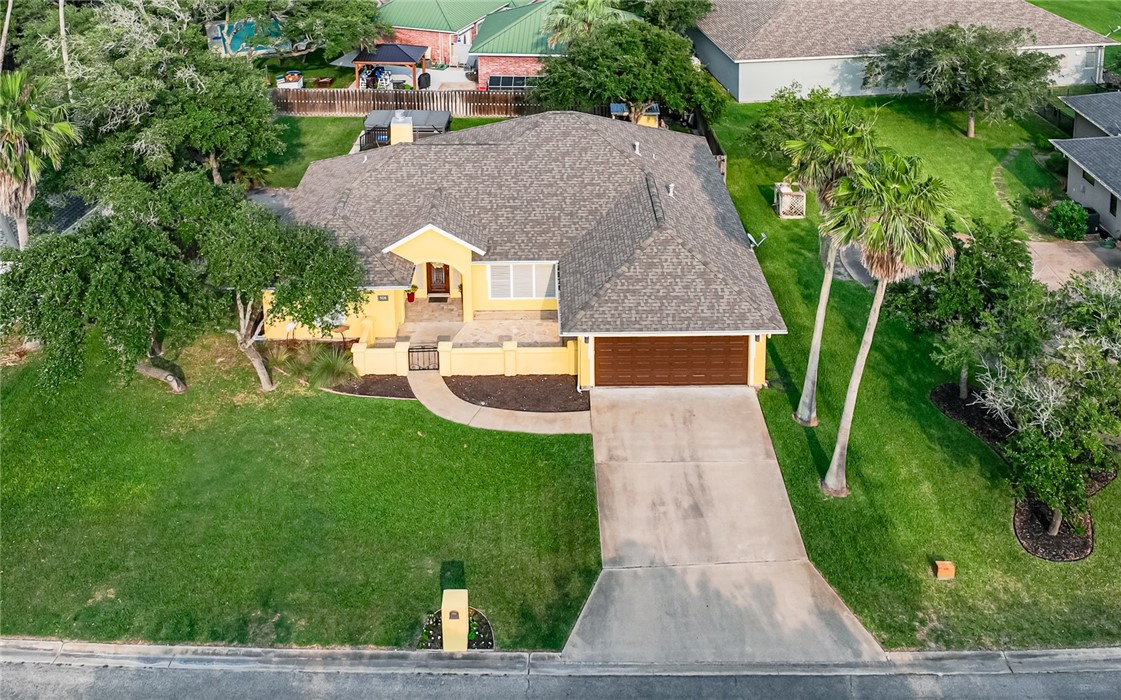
<point>411,294</point>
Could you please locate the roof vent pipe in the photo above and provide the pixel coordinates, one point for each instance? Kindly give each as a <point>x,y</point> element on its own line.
<point>636,148</point>
<point>670,188</point>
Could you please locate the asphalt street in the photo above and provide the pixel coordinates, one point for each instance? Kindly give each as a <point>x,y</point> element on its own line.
<point>30,680</point>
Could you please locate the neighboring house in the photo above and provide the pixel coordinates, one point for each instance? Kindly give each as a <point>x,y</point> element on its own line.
<point>755,47</point>
<point>558,243</point>
<point>1094,173</point>
<point>66,212</point>
<point>446,27</point>
<point>510,45</point>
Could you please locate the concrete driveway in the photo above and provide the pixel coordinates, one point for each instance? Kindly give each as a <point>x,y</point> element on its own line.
<point>703,561</point>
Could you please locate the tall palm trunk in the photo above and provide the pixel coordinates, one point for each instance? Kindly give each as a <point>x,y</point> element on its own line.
<point>4,35</point>
<point>834,483</point>
<point>64,45</point>
<point>807,406</point>
<point>21,231</point>
<point>971,128</point>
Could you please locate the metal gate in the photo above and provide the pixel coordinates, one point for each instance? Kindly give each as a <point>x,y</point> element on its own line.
<point>423,357</point>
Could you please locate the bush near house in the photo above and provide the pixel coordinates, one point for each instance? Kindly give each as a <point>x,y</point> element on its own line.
<point>1069,219</point>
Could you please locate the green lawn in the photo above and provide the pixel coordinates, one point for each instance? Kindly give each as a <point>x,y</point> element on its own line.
<point>315,138</point>
<point>1102,16</point>
<point>312,65</point>
<point>307,139</point>
<point>922,486</point>
<point>296,517</point>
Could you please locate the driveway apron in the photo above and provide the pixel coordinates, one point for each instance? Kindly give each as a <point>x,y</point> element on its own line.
<point>702,557</point>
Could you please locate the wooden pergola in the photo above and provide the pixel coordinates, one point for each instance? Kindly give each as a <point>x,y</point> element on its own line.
<point>407,55</point>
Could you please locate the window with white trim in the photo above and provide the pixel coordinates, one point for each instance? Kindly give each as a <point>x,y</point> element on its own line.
<point>522,280</point>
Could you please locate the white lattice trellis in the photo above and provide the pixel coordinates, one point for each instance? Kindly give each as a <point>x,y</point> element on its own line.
<point>790,201</point>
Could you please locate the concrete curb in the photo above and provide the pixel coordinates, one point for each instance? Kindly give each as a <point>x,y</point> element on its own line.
<point>65,653</point>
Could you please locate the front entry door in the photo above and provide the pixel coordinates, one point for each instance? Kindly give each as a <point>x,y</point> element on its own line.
<point>439,279</point>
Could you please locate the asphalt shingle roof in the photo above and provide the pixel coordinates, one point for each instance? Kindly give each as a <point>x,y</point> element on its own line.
<point>437,15</point>
<point>773,29</point>
<point>1103,109</point>
<point>567,187</point>
<point>1101,157</point>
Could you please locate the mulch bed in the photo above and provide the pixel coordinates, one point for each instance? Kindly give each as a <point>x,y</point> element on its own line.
<point>1030,520</point>
<point>992,431</point>
<point>480,634</point>
<point>544,393</point>
<point>377,385</point>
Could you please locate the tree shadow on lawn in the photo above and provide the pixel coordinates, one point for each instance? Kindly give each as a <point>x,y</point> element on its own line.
<point>556,612</point>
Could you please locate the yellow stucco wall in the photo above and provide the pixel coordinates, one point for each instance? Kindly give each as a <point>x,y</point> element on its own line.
<point>480,291</point>
<point>508,359</point>
<point>584,361</point>
<point>758,372</point>
<point>376,317</point>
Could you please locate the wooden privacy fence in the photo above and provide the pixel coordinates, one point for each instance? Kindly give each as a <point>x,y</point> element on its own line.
<point>357,103</point>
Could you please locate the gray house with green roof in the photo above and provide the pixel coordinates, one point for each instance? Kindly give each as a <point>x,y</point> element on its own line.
<point>446,27</point>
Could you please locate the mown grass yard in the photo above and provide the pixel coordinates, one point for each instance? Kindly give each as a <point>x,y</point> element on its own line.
<point>1103,16</point>
<point>923,487</point>
<point>293,518</point>
<point>307,139</point>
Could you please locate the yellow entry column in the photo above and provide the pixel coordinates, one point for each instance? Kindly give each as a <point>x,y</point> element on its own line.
<point>454,616</point>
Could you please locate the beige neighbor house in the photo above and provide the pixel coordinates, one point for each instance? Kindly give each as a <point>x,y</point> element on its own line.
<point>755,47</point>
<point>1094,173</point>
<point>559,243</point>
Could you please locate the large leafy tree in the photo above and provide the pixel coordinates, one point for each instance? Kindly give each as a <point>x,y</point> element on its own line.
<point>836,139</point>
<point>151,97</point>
<point>977,69</point>
<point>570,19</point>
<point>34,134</point>
<point>216,123</point>
<point>968,302</point>
<point>675,15</point>
<point>336,25</point>
<point>310,278</point>
<point>1060,398</point>
<point>894,213</point>
<point>118,277</point>
<point>634,63</point>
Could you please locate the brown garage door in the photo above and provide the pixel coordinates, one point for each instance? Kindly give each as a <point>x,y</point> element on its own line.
<point>678,361</point>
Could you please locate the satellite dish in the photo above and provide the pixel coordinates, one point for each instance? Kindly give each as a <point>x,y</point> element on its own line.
<point>756,243</point>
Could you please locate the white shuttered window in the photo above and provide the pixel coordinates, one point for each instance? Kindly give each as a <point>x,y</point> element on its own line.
<point>522,280</point>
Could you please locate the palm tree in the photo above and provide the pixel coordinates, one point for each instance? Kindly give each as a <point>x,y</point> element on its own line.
<point>32,134</point>
<point>569,19</point>
<point>836,141</point>
<point>65,46</point>
<point>892,212</point>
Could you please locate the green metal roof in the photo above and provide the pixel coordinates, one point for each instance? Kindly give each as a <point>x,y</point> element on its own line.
<point>517,31</point>
<point>437,15</point>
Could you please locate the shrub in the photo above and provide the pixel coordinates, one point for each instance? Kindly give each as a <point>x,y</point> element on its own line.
<point>1069,219</point>
<point>1043,143</point>
<point>1056,163</point>
<point>1038,198</point>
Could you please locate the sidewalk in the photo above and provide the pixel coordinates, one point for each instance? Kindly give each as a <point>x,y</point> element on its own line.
<point>498,663</point>
<point>431,390</point>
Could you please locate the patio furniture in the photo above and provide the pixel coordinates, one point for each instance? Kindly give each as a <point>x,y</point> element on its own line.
<point>324,82</point>
<point>426,122</point>
<point>407,55</point>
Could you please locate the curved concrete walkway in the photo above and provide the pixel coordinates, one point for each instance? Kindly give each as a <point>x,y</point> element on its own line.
<point>431,390</point>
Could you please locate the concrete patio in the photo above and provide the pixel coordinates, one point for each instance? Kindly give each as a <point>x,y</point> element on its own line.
<point>1056,262</point>
<point>426,321</point>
